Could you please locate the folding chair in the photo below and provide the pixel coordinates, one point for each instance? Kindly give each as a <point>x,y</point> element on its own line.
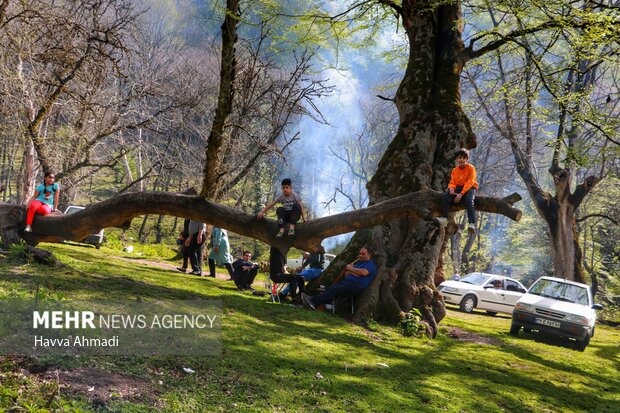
<point>275,290</point>
<point>352,298</point>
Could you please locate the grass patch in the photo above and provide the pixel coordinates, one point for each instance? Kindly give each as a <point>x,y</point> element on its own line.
<point>281,358</point>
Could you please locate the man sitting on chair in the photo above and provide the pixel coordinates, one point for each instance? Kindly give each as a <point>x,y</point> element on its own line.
<point>358,277</point>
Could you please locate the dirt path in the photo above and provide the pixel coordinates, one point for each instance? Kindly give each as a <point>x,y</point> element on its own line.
<point>166,266</point>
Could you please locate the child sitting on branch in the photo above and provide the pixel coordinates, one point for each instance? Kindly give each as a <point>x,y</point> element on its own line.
<point>462,184</point>
<point>44,200</point>
<point>290,211</point>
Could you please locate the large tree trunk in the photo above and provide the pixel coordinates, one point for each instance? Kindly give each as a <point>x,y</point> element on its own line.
<point>559,213</point>
<point>212,173</point>
<point>28,173</point>
<point>432,128</point>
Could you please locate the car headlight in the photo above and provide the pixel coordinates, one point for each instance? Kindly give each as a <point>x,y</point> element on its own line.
<point>529,308</point>
<point>576,319</point>
<point>449,289</point>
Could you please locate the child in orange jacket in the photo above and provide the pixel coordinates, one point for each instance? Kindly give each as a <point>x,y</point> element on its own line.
<point>462,185</point>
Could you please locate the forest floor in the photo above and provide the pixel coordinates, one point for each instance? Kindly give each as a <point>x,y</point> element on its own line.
<point>283,358</point>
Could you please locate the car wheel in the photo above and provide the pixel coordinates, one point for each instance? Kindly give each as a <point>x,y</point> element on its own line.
<point>468,304</point>
<point>514,329</point>
<point>492,313</point>
<point>592,333</point>
<point>582,344</point>
<point>97,246</point>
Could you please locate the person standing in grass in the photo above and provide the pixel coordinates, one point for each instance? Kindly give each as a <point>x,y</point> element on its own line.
<point>290,211</point>
<point>44,200</point>
<point>220,252</point>
<point>462,184</point>
<point>194,244</point>
<point>184,250</point>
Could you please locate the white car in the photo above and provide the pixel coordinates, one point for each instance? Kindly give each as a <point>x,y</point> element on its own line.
<point>293,263</point>
<point>558,307</point>
<point>494,293</point>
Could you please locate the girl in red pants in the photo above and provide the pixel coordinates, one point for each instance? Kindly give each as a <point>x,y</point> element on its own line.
<point>44,200</point>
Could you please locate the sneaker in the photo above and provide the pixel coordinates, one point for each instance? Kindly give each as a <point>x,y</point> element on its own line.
<point>181,269</point>
<point>442,221</point>
<point>28,228</point>
<point>291,232</point>
<point>307,301</point>
<point>472,228</point>
<point>280,234</point>
<point>198,273</point>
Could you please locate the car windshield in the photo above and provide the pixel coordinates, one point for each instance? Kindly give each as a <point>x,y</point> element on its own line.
<point>560,291</point>
<point>477,279</point>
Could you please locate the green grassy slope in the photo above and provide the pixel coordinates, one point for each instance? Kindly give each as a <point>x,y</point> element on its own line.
<point>272,354</point>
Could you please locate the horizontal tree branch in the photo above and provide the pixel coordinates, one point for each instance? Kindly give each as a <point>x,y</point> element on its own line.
<point>120,210</point>
<point>470,53</point>
<point>597,216</point>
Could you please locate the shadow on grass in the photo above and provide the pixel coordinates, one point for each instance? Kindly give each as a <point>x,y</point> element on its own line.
<point>268,347</point>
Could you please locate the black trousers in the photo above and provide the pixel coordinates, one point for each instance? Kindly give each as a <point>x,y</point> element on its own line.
<point>185,251</point>
<point>228,267</point>
<point>342,289</point>
<point>194,252</point>
<point>294,282</point>
<point>286,217</point>
<point>468,198</point>
<point>245,278</point>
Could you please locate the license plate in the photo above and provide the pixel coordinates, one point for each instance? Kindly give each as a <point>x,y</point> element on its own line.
<point>549,323</point>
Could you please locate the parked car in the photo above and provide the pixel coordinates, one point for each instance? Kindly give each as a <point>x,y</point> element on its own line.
<point>494,293</point>
<point>557,307</point>
<point>293,263</point>
<point>93,239</point>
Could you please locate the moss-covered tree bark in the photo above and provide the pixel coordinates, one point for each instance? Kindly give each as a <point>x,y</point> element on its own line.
<point>432,127</point>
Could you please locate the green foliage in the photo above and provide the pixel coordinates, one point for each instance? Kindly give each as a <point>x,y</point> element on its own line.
<point>21,393</point>
<point>411,324</point>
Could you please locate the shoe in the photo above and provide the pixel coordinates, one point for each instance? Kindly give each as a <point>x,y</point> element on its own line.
<point>229,279</point>
<point>212,276</point>
<point>280,234</point>
<point>198,273</point>
<point>442,221</point>
<point>291,232</point>
<point>28,228</point>
<point>472,228</point>
<point>181,269</point>
<point>307,301</point>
